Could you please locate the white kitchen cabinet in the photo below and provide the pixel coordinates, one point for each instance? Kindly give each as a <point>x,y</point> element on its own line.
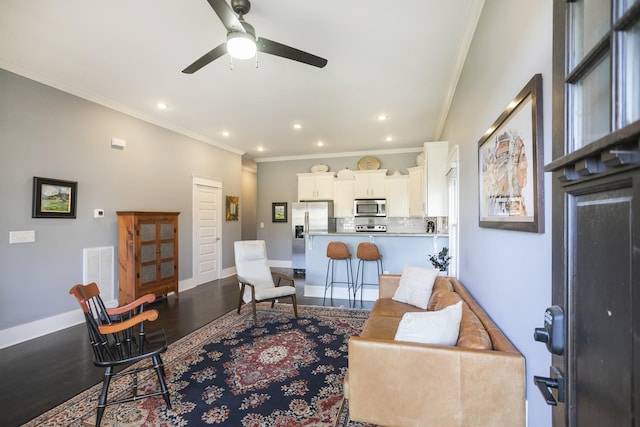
<point>343,197</point>
<point>436,166</point>
<point>315,186</point>
<point>416,191</point>
<point>397,195</point>
<point>369,184</point>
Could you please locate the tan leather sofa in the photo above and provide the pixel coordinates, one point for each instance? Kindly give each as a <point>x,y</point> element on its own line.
<point>479,382</point>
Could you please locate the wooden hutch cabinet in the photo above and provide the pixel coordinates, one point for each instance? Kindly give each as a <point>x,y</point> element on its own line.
<point>147,254</point>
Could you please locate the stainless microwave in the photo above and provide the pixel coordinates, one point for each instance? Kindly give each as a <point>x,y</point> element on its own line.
<point>370,207</point>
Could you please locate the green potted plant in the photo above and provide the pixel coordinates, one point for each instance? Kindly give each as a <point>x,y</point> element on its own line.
<point>441,260</point>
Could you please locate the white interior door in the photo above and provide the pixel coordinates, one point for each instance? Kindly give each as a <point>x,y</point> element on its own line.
<point>207,231</point>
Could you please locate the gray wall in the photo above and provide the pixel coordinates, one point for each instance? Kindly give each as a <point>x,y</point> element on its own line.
<point>278,182</point>
<point>48,133</point>
<point>248,210</point>
<point>508,272</point>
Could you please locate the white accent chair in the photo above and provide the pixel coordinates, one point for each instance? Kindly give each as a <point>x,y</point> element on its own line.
<point>255,278</point>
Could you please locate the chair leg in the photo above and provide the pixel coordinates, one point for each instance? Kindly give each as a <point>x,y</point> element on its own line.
<point>295,305</point>
<point>102,400</point>
<point>255,317</point>
<point>240,299</point>
<point>159,367</point>
<point>164,374</point>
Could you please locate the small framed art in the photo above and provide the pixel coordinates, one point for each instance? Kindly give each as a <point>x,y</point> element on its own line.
<point>54,198</point>
<point>279,212</point>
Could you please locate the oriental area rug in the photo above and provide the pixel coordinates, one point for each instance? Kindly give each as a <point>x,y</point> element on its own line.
<point>286,372</point>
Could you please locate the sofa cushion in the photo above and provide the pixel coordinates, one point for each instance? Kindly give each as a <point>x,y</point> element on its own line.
<point>472,332</point>
<point>443,283</point>
<point>442,299</point>
<point>416,284</point>
<point>387,307</point>
<point>431,327</point>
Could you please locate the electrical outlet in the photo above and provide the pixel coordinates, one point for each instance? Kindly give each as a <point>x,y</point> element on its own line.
<point>28,236</point>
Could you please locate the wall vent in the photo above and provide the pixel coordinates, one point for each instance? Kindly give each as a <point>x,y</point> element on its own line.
<point>97,266</point>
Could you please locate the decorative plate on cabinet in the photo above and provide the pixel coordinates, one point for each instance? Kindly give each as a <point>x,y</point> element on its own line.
<point>345,173</point>
<point>320,168</point>
<point>368,163</point>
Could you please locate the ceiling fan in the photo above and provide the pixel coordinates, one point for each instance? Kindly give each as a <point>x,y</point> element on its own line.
<point>242,36</point>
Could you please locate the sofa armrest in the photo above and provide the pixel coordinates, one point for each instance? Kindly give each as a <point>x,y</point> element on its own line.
<point>388,283</point>
<point>447,386</point>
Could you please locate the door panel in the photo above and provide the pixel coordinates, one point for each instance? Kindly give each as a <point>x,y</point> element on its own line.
<point>601,323</point>
<point>207,234</point>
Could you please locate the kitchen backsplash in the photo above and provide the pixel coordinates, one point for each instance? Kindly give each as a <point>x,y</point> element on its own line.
<point>394,225</point>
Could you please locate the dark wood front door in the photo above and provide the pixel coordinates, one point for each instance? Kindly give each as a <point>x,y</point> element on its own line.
<point>596,211</point>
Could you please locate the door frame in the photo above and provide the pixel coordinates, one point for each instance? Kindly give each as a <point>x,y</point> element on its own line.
<point>204,182</point>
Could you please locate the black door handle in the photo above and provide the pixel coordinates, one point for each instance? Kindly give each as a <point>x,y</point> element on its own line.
<point>545,383</point>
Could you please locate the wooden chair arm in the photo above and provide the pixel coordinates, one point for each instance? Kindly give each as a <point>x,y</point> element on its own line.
<point>149,315</point>
<point>281,276</point>
<point>244,282</point>
<point>149,298</point>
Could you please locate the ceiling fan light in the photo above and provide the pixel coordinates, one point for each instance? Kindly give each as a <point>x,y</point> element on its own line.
<point>241,45</point>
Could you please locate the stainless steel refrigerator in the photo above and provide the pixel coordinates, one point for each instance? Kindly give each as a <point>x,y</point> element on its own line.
<point>308,217</point>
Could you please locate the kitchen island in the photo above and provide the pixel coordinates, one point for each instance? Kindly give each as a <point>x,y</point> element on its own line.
<point>397,249</point>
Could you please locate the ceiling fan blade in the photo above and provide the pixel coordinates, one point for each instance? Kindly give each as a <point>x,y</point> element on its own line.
<point>278,49</point>
<point>226,15</point>
<point>205,59</point>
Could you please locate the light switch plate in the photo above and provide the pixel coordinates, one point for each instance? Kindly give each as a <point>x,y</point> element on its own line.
<point>28,236</point>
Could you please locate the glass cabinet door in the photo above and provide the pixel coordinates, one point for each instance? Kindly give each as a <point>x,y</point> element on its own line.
<point>148,252</point>
<point>166,250</point>
<point>157,250</point>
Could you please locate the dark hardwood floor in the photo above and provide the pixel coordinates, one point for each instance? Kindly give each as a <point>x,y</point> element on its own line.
<point>39,374</point>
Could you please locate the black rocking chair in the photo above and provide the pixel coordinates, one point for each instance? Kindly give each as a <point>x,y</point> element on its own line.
<point>118,339</point>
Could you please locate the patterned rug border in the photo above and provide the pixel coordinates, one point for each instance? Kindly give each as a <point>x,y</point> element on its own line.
<point>178,348</point>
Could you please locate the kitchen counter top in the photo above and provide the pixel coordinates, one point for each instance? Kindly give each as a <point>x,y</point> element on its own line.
<point>376,233</point>
<point>397,250</point>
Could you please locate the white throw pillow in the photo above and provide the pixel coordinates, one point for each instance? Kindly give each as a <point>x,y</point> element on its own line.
<point>431,327</point>
<point>416,284</point>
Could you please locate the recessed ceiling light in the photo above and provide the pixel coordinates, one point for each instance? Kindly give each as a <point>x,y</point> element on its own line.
<point>161,106</point>
<point>297,126</point>
<point>320,144</point>
<point>225,133</point>
<point>389,138</point>
<point>382,117</point>
<point>260,148</point>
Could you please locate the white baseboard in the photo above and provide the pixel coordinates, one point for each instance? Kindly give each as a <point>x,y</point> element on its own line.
<point>38,328</point>
<point>227,272</point>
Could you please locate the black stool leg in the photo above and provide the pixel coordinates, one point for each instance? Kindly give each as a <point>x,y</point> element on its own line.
<point>326,280</point>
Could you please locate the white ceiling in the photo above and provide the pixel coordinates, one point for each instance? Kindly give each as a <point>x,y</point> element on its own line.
<point>402,59</point>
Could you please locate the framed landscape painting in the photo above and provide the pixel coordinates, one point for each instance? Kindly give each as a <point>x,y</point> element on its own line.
<point>54,198</point>
<point>510,165</point>
<point>279,212</point>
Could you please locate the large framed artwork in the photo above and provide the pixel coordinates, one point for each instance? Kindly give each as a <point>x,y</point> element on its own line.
<point>510,165</point>
<point>54,198</point>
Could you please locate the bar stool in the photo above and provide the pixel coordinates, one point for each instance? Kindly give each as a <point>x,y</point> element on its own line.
<point>338,251</point>
<point>367,251</point>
